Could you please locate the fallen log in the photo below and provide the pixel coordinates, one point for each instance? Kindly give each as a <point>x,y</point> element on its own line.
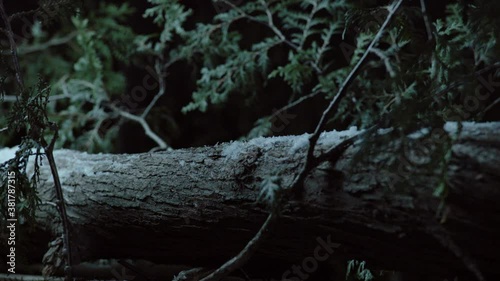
<point>198,206</point>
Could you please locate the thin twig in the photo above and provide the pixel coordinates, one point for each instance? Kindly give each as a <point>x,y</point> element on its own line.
<point>49,149</point>
<point>441,234</point>
<point>52,42</point>
<point>426,20</point>
<point>245,254</point>
<point>49,203</point>
<point>313,139</point>
<point>139,119</point>
<point>161,91</point>
<point>493,104</point>
<point>190,274</point>
<point>270,22</point>
<point>293,104</point>
<point>314,10</point>
<point>13,51</point>
<point>149,132</point>
<point>134,269</point>
<point>386,60</point>
<point>51,98</point>
<point>61,206</point>
<point>323,49</point>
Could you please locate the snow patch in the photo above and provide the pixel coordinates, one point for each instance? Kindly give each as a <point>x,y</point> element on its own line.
<point>335,137</point>
<point>259,141</point>
<point>419,133</point>
<point>452,126</point>
<point>300,143</point>
<point>233,150</point>
<point>383,131</point>
<point>7,153</point>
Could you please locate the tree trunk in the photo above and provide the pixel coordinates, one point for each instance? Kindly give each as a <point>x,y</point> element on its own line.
<point>198,206</point>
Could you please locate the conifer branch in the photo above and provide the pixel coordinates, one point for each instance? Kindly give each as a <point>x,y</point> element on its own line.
<point>38,127</point>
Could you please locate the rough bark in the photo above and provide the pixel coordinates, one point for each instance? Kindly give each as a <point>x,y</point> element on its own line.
<point>198,206</point>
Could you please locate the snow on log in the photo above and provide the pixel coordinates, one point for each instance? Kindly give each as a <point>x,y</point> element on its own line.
<point>198,206</point>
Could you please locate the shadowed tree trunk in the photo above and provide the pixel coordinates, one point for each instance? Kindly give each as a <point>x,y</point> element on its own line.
<point>198,206</point>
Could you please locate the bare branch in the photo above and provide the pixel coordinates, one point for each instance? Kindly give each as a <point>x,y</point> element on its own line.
<point>149,132</point>
<point>245,254</point>
<point>13,51</point>
<point>426,20</point>
<point>313,139</point>
<point>161,91</point>
<point>56,41</point>
<point>294,104</point>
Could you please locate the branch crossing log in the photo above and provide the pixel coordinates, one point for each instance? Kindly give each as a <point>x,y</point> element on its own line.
<point>198,206</point>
